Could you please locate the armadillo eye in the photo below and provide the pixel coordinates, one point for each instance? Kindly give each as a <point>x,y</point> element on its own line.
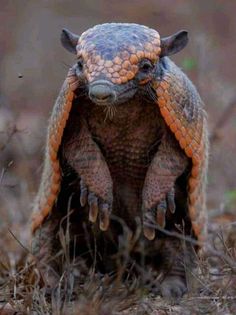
<point>80,65</point>
<point>145,66</point>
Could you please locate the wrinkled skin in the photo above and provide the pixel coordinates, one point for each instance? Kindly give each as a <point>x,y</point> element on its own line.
<point>121,164</point>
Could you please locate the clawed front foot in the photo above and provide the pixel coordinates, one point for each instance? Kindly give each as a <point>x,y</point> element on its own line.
<point>157,214</point>
<point>97,206</point>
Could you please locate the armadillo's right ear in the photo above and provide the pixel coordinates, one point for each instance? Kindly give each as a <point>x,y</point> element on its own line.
<point>69,40</point>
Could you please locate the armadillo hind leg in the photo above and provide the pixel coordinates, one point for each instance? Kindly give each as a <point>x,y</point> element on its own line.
<point>45,247</point>
<point>177,263</point>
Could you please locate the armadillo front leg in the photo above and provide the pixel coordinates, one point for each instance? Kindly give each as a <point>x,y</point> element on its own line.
<point>158,192</point>
<point>85,157</point>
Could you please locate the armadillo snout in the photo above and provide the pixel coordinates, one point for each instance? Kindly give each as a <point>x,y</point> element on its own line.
<point>102,92</point>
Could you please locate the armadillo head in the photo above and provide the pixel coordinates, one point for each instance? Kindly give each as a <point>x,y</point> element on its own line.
<point>116,60</point>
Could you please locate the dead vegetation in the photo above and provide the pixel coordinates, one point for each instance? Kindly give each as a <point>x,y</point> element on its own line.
<point>80,291</point>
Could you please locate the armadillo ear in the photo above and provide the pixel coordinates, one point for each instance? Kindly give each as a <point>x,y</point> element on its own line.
<point>69,40</point>
<point>174,43</point>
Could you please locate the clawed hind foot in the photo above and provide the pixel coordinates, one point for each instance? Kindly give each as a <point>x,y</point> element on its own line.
<point>173,287</point>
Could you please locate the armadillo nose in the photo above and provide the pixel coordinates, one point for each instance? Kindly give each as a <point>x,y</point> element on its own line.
<point>102,93</point>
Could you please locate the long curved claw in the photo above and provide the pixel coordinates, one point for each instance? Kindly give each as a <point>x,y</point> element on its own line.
<point>83,193</point>
<point>93,207</point>
<point>171,200</point>
<point>148,222</point>
<point>161,213</point>
<point>149,233</point>
<point>104,217</point>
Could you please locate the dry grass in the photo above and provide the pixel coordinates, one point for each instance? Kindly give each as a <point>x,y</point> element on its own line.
<point>212,288</point>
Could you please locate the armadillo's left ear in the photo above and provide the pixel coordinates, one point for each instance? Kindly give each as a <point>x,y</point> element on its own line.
<point>174,43</point>
<point>69,40</point>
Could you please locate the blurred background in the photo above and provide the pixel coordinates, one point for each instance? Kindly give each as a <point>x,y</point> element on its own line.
<point>33,65</point>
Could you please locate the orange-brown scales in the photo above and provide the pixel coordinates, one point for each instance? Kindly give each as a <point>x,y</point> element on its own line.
<point>127,139</point>
<point>114,51</point>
